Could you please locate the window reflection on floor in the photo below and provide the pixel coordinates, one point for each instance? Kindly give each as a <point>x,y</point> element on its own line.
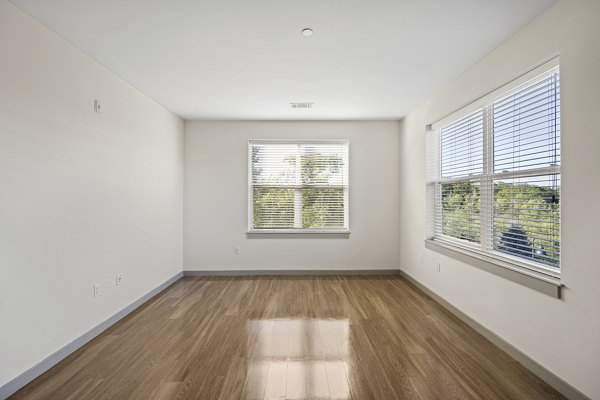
<point>298,359</point>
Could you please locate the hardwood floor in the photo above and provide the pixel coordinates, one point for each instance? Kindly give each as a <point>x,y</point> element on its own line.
<point>313,337</point>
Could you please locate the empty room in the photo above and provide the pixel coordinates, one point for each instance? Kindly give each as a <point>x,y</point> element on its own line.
<point>325,199</point>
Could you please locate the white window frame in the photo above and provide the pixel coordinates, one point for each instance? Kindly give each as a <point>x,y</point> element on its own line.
<point>481,250</point>
<point>298,192</point>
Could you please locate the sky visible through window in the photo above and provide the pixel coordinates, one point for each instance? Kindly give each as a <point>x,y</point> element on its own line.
<point>526,134</point>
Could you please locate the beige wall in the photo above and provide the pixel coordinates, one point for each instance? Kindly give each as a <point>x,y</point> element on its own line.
<point>562,335</point>
<point>83,196</point>
<point>216,193</point>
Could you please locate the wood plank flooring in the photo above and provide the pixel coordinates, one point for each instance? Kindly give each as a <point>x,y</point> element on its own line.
<point>289,337</point>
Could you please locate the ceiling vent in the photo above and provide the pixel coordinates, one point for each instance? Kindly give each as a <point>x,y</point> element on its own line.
<point>301,105</point>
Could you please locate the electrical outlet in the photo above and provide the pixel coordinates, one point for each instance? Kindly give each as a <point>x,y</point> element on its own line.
<point>439,267</point>
<point>118,279</point>
<point>237,250</point>
<point>97,289</point>
<point>420,258</point>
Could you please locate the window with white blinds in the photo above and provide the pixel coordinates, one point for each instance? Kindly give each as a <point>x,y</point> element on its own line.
<point>298,186</point>
<point>494,174</point>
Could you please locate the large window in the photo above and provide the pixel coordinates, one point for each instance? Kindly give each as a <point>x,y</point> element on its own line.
<point>298,186</point>
<point>494,174</point>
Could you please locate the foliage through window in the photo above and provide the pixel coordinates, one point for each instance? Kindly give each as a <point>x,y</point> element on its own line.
<point>494,174</point>
<point>298,186</point>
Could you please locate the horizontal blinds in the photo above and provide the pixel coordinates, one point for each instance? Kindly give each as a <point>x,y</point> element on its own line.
<point>459,214</point>
<point>526,218</point>
<point>323,207</point>
<point>273,207</point>
<point>298,185</point>
<point>274,164</point>
<point>324,164</point>
<point>462,146</point>
<point>526,127</point>
<point>526,204</point>
<point>432,176</point>
<point>278,164</point>
<point>461,155</point>
<point>498,174</point>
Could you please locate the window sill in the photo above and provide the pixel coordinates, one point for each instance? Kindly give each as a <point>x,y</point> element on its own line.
<point>549,284</point>
<point>289,233</point>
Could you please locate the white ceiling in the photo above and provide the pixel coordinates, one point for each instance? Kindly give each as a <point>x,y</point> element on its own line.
<point>246,59</point>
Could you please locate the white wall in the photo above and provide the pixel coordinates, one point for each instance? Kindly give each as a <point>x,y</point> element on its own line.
<point>216,193</point>
<point>562,335</point>
<point>83,196</point>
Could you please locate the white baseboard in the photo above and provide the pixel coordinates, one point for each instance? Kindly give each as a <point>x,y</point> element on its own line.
<point>50,361</point>
<point>292,272</point>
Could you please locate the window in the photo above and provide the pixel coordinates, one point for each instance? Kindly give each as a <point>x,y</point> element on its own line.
<point>298,186</point>
<point>494,174</point>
